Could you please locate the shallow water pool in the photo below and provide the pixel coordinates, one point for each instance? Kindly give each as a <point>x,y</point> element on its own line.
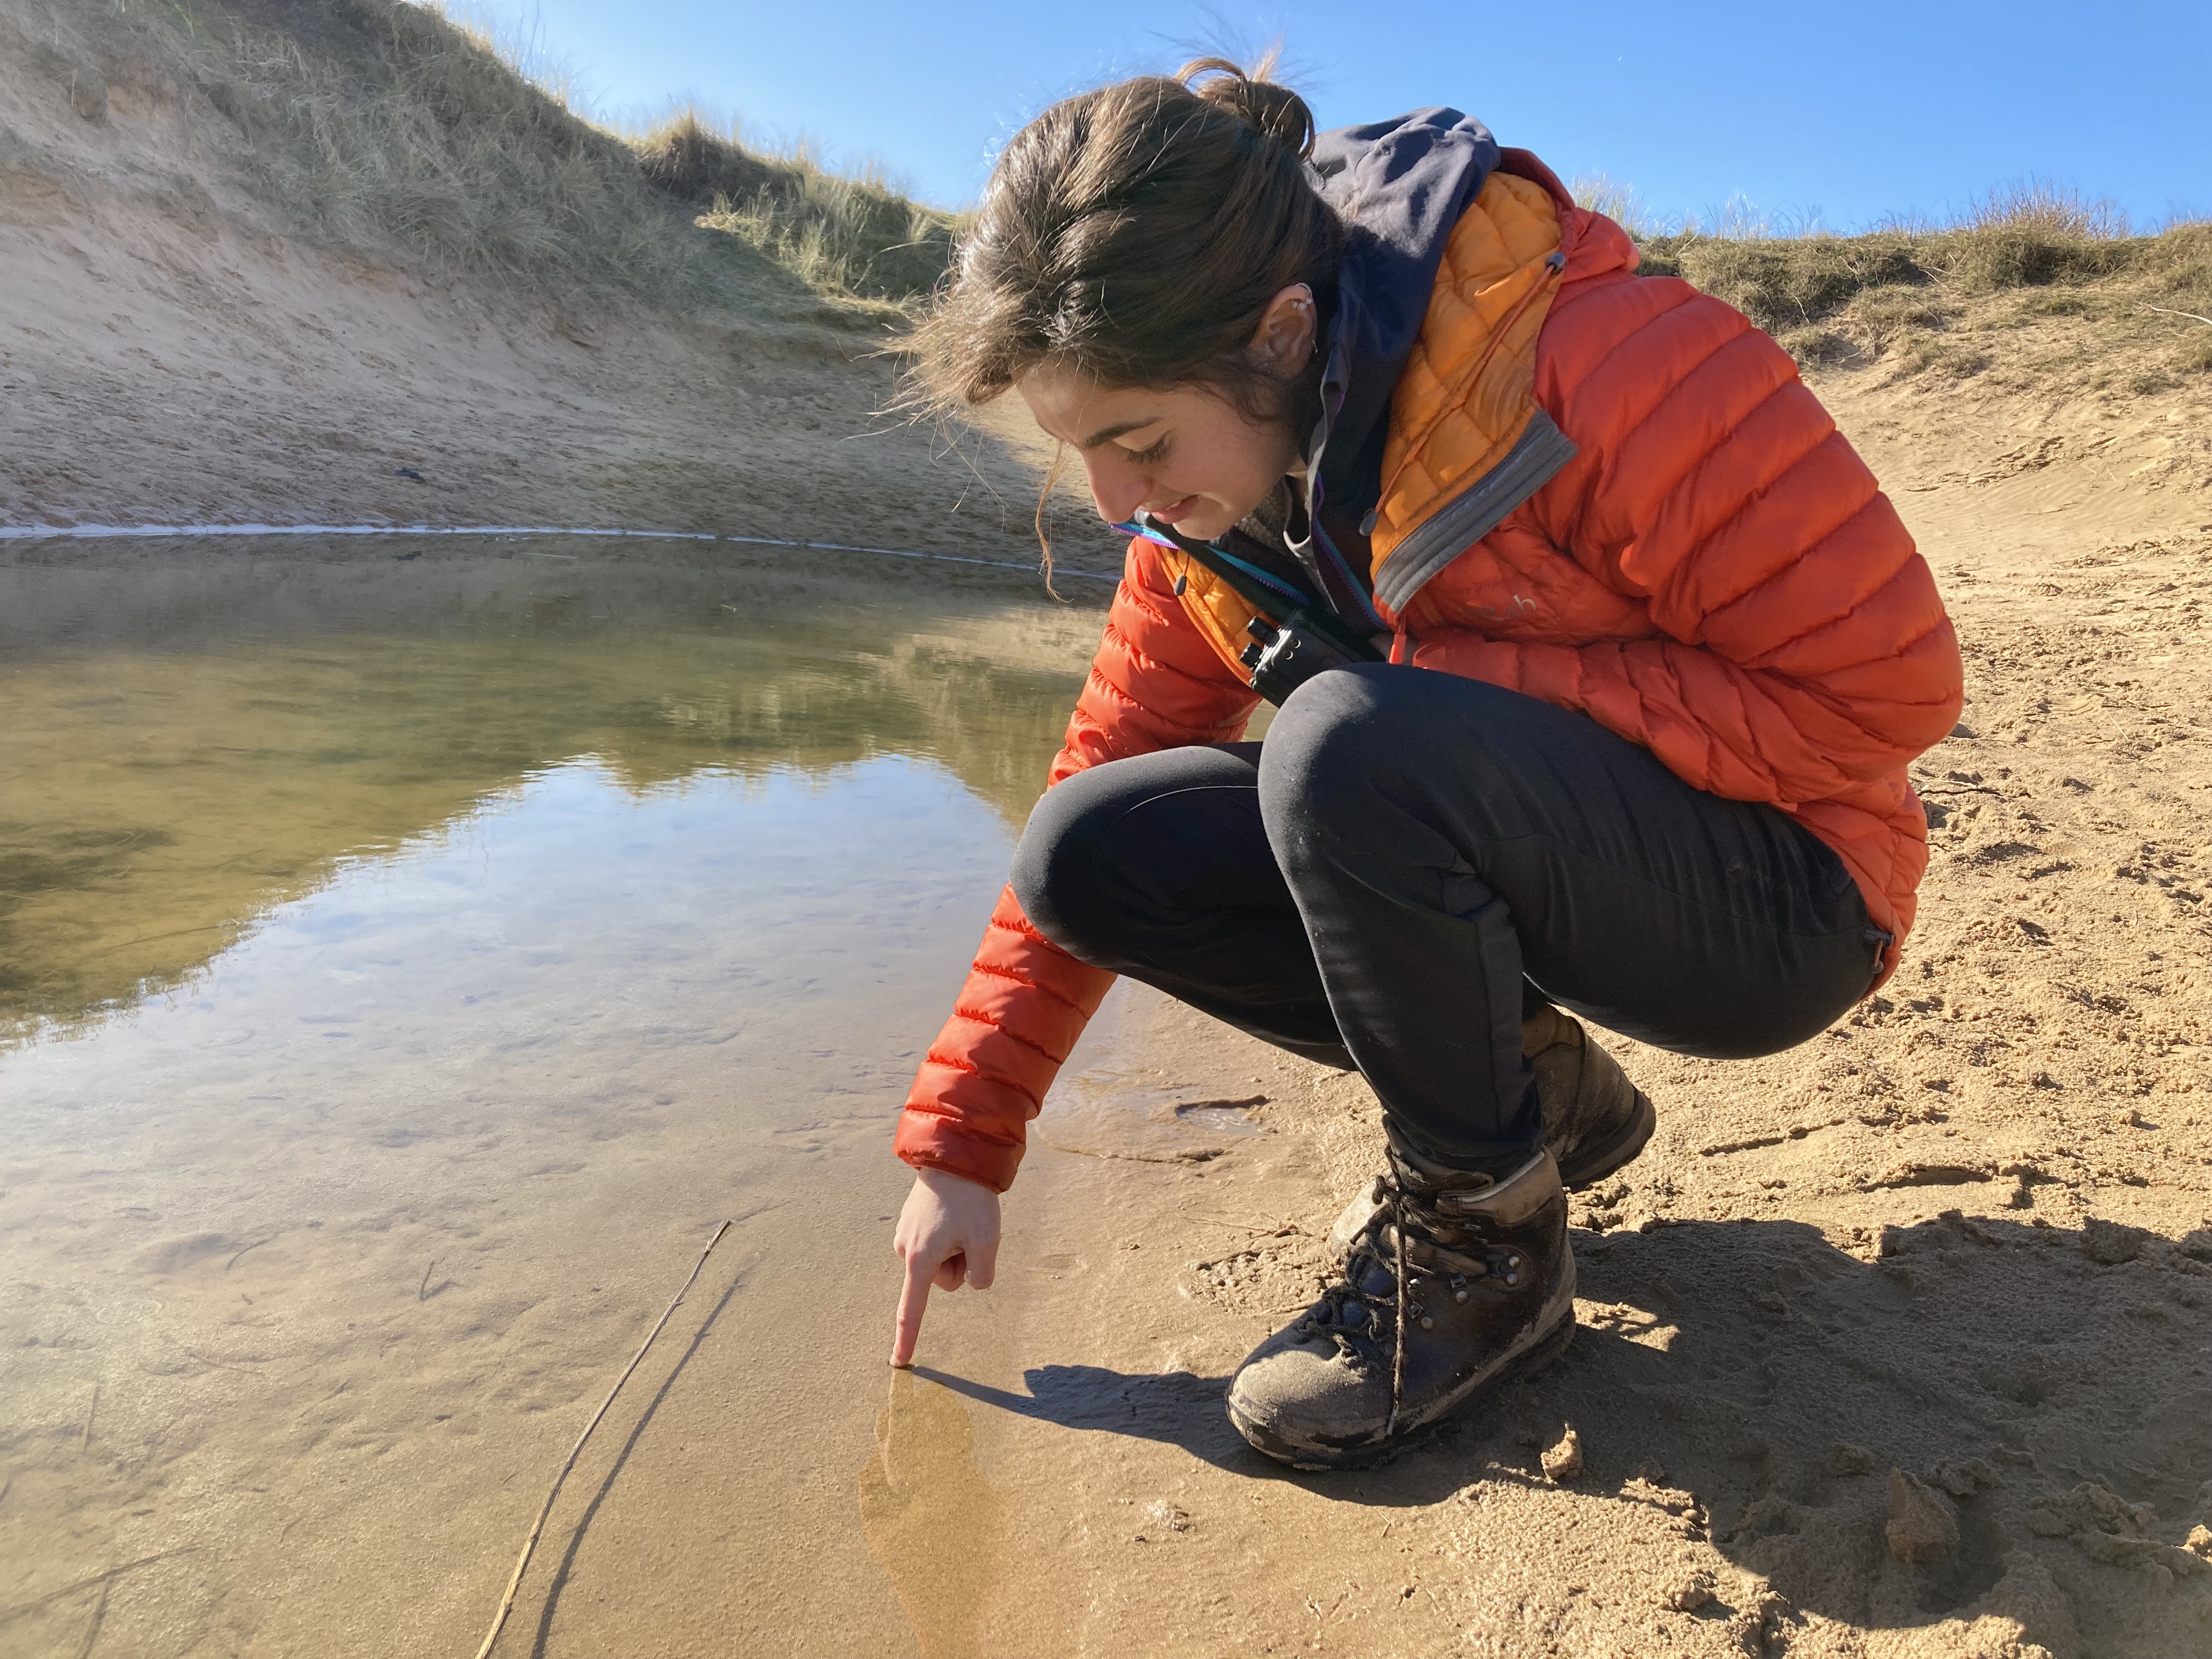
<point>407,955</point>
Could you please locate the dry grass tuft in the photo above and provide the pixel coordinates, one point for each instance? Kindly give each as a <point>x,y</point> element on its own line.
<point>841,234</point>
<point>1622,204</point>
<point>2039,207</point>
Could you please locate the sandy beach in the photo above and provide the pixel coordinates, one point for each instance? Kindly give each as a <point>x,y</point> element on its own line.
<point>1898,1346</point>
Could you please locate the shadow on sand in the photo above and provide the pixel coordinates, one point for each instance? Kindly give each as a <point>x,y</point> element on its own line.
<point>1757,1384</point>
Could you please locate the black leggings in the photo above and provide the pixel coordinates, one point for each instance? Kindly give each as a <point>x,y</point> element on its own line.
<point>1411,860</point>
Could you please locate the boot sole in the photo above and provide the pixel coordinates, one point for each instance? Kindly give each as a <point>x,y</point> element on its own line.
<point>1530,1360</point>
<point>1592,1164</point>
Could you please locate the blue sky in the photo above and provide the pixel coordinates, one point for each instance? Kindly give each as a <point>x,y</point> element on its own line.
<point>1855,112</point>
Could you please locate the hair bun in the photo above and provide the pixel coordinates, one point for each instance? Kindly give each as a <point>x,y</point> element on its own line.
<point>1258,102</point>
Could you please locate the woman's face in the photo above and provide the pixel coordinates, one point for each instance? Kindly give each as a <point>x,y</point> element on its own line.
<point>1184,454</point>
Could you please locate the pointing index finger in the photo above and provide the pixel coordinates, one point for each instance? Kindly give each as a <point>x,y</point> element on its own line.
<point>914,1301</point>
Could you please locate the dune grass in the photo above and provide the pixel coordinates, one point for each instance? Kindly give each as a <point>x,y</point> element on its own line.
<point>380,120</point>
<point>374,115</point>
<point>370,121</point>
<point>1924,294</point>
<point>840,234</point>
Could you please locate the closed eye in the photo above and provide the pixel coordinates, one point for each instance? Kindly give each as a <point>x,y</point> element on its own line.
<point>1144,456</point>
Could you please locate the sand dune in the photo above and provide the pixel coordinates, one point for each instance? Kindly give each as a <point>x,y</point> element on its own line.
<point>175,352</point>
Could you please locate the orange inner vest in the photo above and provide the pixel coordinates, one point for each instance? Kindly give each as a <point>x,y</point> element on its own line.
<point>1466,442</point>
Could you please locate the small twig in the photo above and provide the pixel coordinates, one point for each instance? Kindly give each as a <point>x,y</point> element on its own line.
<point>256,1245</point>
<point>1193,1155</point>
<point>421,1291</point>
<point>90,1413</point>
<point>529,1544</point>
<point>2191,315</point>
<point>99,1618</point>
<point>1248,1102</point>
<point>1257,1229</point>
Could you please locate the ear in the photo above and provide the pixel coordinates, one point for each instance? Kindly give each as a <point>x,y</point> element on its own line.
<point>1288,330</point>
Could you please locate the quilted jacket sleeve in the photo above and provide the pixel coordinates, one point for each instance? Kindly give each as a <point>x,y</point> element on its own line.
<point>1154,683</point>
<point>1802,648</point>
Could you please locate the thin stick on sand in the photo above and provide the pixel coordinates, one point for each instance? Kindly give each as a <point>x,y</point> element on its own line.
<point>529,1544</point>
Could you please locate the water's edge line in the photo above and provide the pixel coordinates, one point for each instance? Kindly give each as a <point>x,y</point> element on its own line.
<point>154,531</point>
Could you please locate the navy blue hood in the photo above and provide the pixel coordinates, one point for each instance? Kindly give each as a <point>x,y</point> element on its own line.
<point>1399,187</point>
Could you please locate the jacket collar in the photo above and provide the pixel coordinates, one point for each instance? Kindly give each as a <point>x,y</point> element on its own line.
<point>1401,187</point>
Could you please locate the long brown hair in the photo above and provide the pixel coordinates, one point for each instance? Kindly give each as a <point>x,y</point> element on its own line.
<point>1134,235</point>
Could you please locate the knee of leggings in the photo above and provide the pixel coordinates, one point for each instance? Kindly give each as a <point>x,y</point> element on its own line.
<point>1059,862</point>
<point>1331,735</point>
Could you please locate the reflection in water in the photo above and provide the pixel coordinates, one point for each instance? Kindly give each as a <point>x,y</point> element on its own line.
<point>189,740</point>
<point>402,960</point>
<point>932,1520</point>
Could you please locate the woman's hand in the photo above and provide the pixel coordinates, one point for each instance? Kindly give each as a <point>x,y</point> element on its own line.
<point>948,1234</point>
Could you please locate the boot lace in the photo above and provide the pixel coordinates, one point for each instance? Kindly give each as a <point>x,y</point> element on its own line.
<point>1384,1241</point>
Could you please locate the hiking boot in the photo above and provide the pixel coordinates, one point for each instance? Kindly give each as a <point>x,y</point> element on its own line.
<point>1458,1281</point>
<point>1595,1119</point>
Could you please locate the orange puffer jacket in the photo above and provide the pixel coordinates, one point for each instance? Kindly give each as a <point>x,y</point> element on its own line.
<point>1715,574</point>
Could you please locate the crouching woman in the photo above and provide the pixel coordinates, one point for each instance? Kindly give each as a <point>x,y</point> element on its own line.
<point>1650,652</point>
